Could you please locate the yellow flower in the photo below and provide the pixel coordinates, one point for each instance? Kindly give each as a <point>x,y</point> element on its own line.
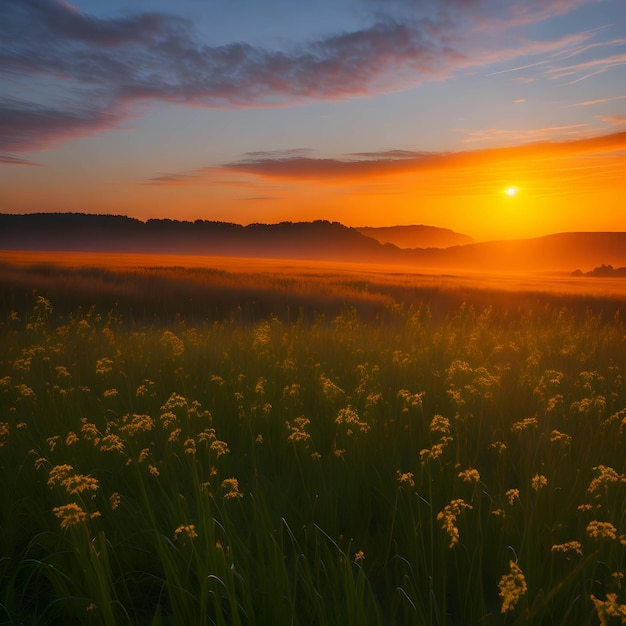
<point>153,470</point>
<point>4,433</point>
<point>114,500</point>
<point>559,437</point>
<point>232,484</point>
<point>440,424</point>
<point>104,366</point>
<point>406,478</point>
<point>539,481</point>
<point>77,483</point>
<point>512,495</point>
<point>448,518</point>
<point>605,476</point>
<point>189,530</point>
<point>71,438</point>
<point>58,473</point>
<point>512,587</point>
<point>498,446</point>
<point>219,447</point>
<point>601,530</point>
<point>569,546</point>
<point>470,475</point>
<point>359,556</point>
<point>609,608</point>
<point>190,446</point>
<point>70,514</point>
<point>529,422</point>
<point>111,443</point>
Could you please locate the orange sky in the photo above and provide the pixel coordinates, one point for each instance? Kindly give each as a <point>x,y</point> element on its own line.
<point>362,112</point>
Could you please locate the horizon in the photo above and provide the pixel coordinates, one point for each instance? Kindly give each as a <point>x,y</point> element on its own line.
<point>144,220</point>
<point>499,121</point>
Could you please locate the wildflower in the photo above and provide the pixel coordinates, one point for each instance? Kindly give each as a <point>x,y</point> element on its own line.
<point>90,431</point>
<point>584,507</point>
<point>58,474</point>
<point>539,481</point>
<point>111,443</point>
<point>25,391</point>
<point>405,478</point>
<point>190,446</point>
<point>52,442</point>
<point>298,431</point>
<point>512,495</point>
<point>62,372</point>
<point>430,454</point>
<point>411,400</point>
<point>110,393</point>
<point>259,438</point>
<point>498,446</point>
<point>561,438</point>
<point>77,483</point>
<point>219,447</point>
<point>153,470</point>
<point>512,587</point>
<point>339,452</point>
<point>316,456</point>
<point>605,476</point>
<point>137,424</point>
<point>71,438</point>
<point>499,513</point>
<point>114,500</point>
<point>173,344</point>
<point>40,462</point>
<point>330,390</point>
<point>359,556</point>
<point>448,517</point>
<point>608,609</point>
<point>174,435</point>
<point>91,607</point>
<point>470,475</point>
<point>104,366</point>
<point>4,433</point>
<point>601,530</point>
<point>529,422</point>
<point>350,418</point>
<point>70,514</point>
<point>188,530</point>
<point>440,424</point>
<point>569,546</point>
<point>232,484</point>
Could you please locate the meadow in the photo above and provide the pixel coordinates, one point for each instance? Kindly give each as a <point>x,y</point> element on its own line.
<point>308,446</point>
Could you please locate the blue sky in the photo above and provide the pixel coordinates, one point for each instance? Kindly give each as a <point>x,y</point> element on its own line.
<point>367,111</point>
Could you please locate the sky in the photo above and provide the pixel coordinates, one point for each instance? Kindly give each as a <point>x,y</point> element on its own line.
<point>497,119</point>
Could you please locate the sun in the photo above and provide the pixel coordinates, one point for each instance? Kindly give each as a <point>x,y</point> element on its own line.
<point>511,191</point>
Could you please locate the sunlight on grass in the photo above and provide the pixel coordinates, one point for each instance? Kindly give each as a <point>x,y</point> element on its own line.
<point>390,463</point>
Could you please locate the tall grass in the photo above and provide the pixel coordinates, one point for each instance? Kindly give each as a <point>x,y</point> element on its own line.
<point>402,467</point>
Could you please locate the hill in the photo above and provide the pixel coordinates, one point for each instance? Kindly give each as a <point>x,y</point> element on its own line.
<point>415,236</point>
<point>320,239</point>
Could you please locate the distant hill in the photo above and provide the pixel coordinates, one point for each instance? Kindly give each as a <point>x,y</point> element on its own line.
<point>321,240</point>
<point>114,233</point>
<point>415,236</point>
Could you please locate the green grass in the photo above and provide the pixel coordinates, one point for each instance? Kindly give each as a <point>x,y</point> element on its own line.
<point>283,469</point>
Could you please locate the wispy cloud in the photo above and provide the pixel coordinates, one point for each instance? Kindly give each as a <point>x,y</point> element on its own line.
<point>388,163</point>
<point>108,66</point>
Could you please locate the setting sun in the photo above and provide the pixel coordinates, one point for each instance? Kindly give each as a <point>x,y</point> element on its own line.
<point>511,191</point>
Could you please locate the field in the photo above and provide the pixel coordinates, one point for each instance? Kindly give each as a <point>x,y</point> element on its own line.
<point>305,444</point>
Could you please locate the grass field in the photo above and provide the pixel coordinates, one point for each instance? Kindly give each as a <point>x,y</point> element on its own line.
<point>307,446</point>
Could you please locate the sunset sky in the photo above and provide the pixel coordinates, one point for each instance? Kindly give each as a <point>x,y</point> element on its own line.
<point>497,119</point>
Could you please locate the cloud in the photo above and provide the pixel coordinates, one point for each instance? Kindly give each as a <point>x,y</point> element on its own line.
<point>25,126</point>
<point>106,67</point>
<point>402,162</point>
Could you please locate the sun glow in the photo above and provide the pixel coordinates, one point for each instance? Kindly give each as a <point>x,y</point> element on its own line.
<point>511,191</point>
